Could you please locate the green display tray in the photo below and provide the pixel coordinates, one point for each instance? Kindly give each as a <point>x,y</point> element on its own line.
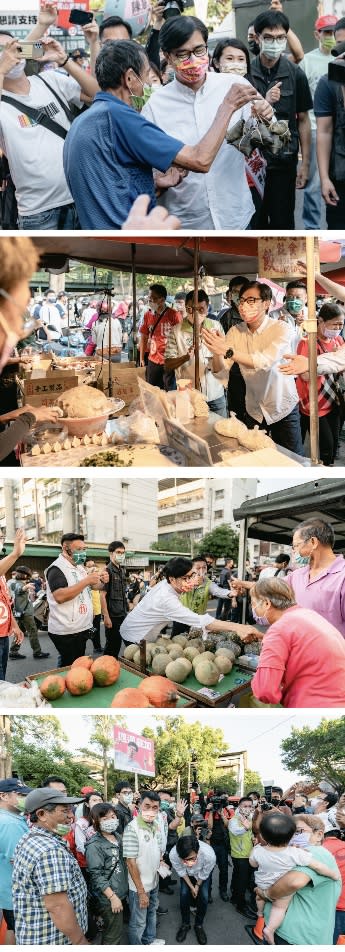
<point>230,682</point>
<point>98,697</point>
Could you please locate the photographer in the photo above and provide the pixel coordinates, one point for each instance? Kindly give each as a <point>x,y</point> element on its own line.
<point>193,861</point>
<point>218,817</point>
<point>330,112</point>
<point>241,842</point>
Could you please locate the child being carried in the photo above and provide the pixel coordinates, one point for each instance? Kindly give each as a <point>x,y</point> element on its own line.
<point>275,857</point>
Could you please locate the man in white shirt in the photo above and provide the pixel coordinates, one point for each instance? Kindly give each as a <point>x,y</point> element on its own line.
<point>258,345</point>
<point>50,317</point>
<point>100,336</point>
<point>278,569</point>
<point>193,861</point>
<point>33,151</point>
<point>179,353</point>
<point>186,108</point>
<point>162,604</point>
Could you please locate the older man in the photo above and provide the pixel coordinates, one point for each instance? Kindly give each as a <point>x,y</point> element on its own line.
<point>318,582</point>
<point>49,891</point>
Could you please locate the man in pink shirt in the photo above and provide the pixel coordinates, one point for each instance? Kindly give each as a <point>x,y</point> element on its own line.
<point>302,662</point>
<point>319,580</point>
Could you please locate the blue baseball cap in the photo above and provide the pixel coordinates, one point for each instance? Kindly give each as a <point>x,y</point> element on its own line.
<point>13,785</point>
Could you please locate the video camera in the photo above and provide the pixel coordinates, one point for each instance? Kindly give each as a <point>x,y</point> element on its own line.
<point>173,8</point>
<point>201,825</point>
<point>265,803</point>
<point>336,70</point>
<point>219,802</point>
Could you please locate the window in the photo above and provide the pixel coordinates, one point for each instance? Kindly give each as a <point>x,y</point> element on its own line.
<point>219,514</point>
<point>219,494</point>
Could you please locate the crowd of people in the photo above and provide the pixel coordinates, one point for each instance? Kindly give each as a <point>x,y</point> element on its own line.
<point>81,869</point>
<point>295,612</point>
<point>247,351</point>
<point>118,120</point>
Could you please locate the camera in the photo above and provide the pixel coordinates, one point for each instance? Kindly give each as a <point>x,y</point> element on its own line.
<point>173,8</point>
<point>266,806</point>
<point>201,825</point>
<point>336,70</point>
<point>218,803</point>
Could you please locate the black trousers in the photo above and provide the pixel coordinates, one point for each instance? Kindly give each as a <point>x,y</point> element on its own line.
<point>70,647</point>
<point>335,214</point>
<point>236,393</point>
<point>240,881</point>
<point>329,432</point>
<point>97,633</point>
<point>222,856</point>
<point>113,638</point>
<point>278,206</point>
<point>155,374</point>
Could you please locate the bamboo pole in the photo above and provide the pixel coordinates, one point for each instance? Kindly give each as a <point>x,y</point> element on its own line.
<point>134,300</point>
<point>110,379</point>
<point>196,335</point>
<point>311,325</point>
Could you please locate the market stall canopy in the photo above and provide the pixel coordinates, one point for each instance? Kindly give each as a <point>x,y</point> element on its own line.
<point>274,518</point>
<point>169,256</point>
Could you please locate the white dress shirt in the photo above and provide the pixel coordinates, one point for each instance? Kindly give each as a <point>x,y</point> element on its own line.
<point>160,605</point>
<point>180,340</point>
<point>220,198</point>
<point>270,395</point>
<point>203,866</point>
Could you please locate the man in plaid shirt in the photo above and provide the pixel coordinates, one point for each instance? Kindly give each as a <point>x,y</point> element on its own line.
<point>49,891</point>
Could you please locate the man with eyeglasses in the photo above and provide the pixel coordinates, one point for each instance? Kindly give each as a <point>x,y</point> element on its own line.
<point>271,70</point>
<point>257,345</point>
<point>162,604</point>
<point>186,107</point>
<point>179,353</point>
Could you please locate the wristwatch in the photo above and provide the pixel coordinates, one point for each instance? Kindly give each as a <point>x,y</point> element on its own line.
<point>229,353</point>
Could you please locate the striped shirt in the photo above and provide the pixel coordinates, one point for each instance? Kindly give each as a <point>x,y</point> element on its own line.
<point>42,866</point>
<point>131,840</point>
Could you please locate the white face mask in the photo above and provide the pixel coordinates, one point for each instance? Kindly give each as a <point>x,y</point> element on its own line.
<point>237,66</point>
<point>16,71</point>
<point>120,558</point>
<point>10,343</point>
<point>109,826</point>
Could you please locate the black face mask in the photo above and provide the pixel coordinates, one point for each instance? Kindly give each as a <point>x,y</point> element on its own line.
<point>254,47</point>
<point>275,801</point>
<point>299,810</point>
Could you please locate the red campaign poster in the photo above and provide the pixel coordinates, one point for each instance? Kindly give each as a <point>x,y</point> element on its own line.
<point>133,753</point>
<point>65,8</point>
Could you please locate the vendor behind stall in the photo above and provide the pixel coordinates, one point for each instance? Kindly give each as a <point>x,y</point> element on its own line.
<point>162,604</point>
<point>18,261</point>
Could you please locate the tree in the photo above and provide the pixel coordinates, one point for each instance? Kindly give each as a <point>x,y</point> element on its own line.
<point>177,542</point>
<point>224,781</point>
<point>222,541</point>
<point>38,750</point>
<point>178,743</point>
<point>252,781</point>
<point>317,753</point>
<point>103,739</point>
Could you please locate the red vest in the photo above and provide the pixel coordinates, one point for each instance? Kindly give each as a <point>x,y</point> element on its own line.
<point>5,610</point>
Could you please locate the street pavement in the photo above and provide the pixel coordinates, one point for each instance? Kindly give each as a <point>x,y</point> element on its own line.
<point>223,924</point>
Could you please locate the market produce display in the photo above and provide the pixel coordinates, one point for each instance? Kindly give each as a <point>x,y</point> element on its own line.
<point>252,439</point>
<point>52,688</point>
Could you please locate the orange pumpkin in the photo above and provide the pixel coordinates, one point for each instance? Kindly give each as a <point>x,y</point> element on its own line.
<point>106,670</point>
<point>160,691</point>
<point>53,687</point>
<point>79,681</point>
<point>130,697</point>
<point>84,662</point>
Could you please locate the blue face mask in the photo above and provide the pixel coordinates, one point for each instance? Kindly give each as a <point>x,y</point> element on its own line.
<point>260,619</point>
<point>300,839</point>
<point>294,305</point>
<point>301,559</point>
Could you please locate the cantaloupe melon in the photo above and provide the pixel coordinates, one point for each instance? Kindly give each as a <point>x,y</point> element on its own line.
<point>180,640</point>
<point>130,651</point>
<point>204,656</point>
<point>191,653</point>
<point>175,651</point>
<point>177,670</point>
<point>224,663</point>
<point>207,673</point>
<point>160,662</point>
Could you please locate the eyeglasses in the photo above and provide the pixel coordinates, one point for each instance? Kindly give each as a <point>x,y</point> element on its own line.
<point>249,300</point>
<point>180,55</point>
<point>279,38</point>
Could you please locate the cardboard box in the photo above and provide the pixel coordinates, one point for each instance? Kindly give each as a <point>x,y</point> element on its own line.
<point>125,379</point>
<point>42,391</point>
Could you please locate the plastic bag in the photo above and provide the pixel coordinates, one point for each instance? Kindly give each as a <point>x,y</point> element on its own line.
<point>136,428</point>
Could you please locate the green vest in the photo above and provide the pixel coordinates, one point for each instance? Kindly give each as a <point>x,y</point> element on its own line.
<point>197,599</point>
<point>241,845</point>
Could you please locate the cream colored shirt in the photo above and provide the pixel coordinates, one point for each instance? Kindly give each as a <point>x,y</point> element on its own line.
<point>270,395</point>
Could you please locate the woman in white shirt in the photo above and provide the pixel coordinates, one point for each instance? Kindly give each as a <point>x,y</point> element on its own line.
<point>161,604</point>
<point>100,336</point>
